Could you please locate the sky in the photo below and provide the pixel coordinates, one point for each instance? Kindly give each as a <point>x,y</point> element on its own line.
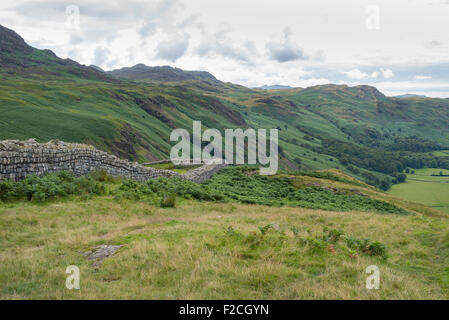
<point>399,46</point>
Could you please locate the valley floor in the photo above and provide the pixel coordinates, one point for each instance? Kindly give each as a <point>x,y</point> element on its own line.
<point>202,250</point>
<point>426,187</point>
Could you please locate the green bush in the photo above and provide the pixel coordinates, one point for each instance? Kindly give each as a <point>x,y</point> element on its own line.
<point>49,186</point>
<point>168,201</point>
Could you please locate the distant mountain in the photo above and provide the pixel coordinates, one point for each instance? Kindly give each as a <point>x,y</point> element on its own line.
<point>273,87</point>
<point>409,95</point>
<point>159,73</point>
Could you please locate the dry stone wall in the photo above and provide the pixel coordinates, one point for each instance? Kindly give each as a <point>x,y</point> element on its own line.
<point>19,159</point>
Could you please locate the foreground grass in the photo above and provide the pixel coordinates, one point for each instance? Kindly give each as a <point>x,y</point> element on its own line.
<point>214,251</point>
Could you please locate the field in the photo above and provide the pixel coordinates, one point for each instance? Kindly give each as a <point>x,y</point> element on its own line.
<point>424,188</point>
<point>223,250</point>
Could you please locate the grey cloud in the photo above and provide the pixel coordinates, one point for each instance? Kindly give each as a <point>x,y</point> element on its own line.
<point>173,49</point>
<point>284,53</point>
<point>285,50</point>
<point>192,21</point>
<point>101,9</point>
<point>148,29</point>
<point>42,10</point>
<point>101,19</point>
<point>76,38</point>
<point>101,56</point>
<point>225,50</point>
<point>219,44</point>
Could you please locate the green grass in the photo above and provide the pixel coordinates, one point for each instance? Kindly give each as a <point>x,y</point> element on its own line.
<point>424,188</point>
<point>216,251</point>
<point>170,166</point>
<point>441,153</point>
<point>190,245</point>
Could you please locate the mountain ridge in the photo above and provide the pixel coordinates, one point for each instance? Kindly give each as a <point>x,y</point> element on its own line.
<point>159,73</point>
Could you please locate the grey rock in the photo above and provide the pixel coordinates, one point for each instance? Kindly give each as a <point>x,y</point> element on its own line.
<point>99,253</point>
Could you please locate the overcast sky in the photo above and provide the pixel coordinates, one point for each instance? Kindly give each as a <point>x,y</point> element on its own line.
<point>399,46</point>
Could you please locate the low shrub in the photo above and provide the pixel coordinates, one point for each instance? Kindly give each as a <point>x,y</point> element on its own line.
<point>49,186</point>
<point>239,184</point>
<point>330,237</point>
<point>366,246</point>
<point>168,201</point>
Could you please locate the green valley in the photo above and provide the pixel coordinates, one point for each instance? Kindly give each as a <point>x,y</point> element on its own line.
<point>426,186</point>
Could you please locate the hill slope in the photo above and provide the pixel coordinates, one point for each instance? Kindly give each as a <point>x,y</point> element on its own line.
<point>219,249</point>
<point>357,129</point>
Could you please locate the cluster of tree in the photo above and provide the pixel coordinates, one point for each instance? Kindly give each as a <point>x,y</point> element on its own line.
<point>392,163</point>
<point>372,179</point>
<point>380,160</point>
<point>414,144</point>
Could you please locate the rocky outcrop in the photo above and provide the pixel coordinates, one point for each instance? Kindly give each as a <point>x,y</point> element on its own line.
<point>19,159</point>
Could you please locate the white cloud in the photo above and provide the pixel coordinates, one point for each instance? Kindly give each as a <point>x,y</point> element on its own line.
<point>356,74</point>
<point>420,77</point>
<point>387,73</point>
<point>438,89</point>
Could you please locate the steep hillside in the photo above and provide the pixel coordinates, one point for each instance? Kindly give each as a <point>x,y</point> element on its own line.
<point>18,59</point>
<point>45,97</point>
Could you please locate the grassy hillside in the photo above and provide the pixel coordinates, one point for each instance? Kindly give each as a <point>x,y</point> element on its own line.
<point>221,249</point>
<point>131,112</point>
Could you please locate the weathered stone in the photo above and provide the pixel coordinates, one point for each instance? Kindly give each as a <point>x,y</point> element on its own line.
<point>99,253</point>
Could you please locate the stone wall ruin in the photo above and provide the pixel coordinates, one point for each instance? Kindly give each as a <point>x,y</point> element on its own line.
<point>19,159</point>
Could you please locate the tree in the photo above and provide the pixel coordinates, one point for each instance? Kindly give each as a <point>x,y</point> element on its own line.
<point>401,177</point>
<point>385,184</point>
